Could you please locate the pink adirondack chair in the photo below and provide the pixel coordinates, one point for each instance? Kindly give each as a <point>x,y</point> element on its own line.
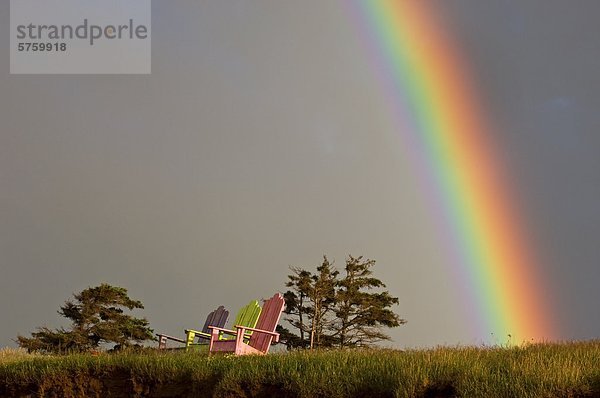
<point>262,336</point>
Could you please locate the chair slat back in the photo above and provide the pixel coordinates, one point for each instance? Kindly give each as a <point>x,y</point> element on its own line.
<point>216,318</point>
<point>248,315</point>
<point>268,320</point>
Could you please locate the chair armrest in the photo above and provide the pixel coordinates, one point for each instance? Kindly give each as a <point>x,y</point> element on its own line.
<point>162,340</point>
<point>166,336</point>
<point>223,330</point>
<point>197,333</point>
<point>274,334</point>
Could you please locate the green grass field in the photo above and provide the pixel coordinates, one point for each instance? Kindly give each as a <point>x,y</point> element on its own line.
<point>537,370</point>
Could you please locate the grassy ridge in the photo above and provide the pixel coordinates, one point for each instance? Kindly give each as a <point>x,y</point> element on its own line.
<point>544,370</point>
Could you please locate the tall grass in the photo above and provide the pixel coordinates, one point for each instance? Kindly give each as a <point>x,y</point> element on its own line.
<point>14,354</point>
<point>541,370</point>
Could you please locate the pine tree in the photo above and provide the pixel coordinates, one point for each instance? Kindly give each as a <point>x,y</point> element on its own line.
<point>296,308</point>
<point>307,305</point>
<point>331,312</point>
<point>322,297</point>
<point>97,318</point>
<point>360,312</point>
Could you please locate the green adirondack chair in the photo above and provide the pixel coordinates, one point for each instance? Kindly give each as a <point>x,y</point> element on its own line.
<point>246,316</point>
<point>216,317</point>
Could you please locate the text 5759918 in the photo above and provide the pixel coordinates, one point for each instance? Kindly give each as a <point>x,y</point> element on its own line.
<point>41,47</point>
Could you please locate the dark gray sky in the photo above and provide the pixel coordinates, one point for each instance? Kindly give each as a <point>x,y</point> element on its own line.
<point>261,140</point>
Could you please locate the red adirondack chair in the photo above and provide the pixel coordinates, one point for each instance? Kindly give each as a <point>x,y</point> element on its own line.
<point>262,336</point>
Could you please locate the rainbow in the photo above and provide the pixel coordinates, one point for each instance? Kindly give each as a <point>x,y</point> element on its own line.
<point>435,107</point>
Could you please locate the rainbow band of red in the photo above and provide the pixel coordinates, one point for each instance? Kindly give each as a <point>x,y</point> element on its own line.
<point>428,85</point>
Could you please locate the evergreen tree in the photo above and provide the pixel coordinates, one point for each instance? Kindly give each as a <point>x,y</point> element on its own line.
<point>360,312</point>
<point>307,305</point>
<point>322,297</point>
<point>97,318</point>
<point>331,312</point>
<point>297,308</point>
